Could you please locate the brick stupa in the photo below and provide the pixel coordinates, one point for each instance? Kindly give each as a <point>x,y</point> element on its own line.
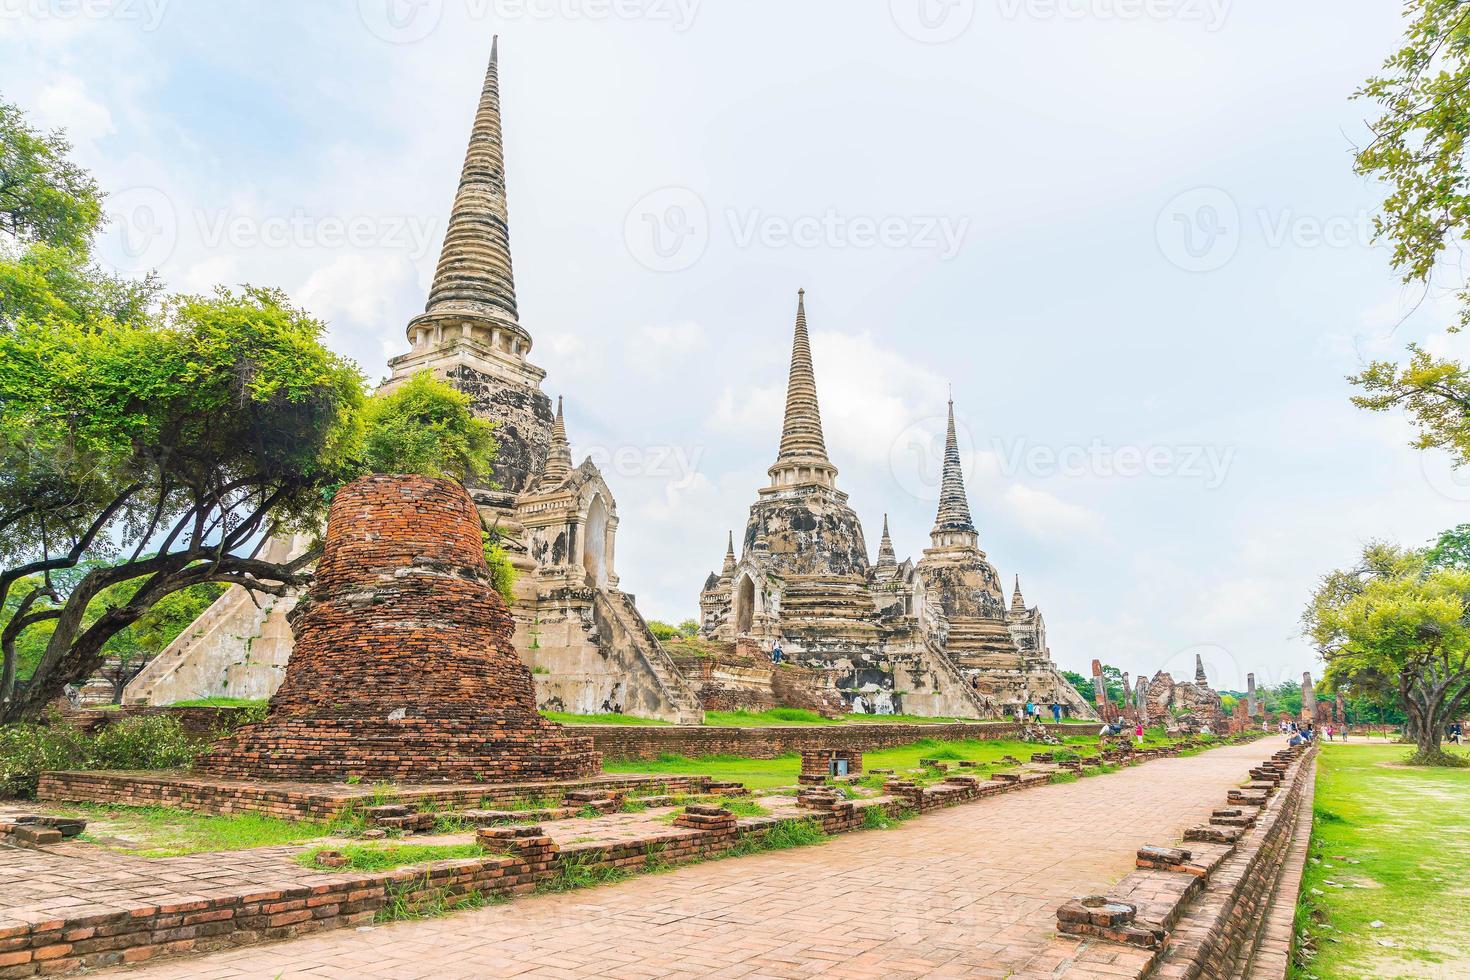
<point>403,667</point>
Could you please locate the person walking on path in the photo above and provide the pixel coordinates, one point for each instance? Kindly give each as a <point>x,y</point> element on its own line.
<point>1138,733</point>
<point>776,651</point>
<point>1056,713</point>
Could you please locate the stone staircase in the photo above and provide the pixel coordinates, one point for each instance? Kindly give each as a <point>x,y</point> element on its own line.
<point>619,608</point>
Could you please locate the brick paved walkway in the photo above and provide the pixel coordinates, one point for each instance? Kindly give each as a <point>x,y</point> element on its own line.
<point>970,891</point>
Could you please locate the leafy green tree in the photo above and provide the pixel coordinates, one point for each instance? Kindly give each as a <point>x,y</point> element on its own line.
<point>1396,616</point>
<point>689,628</point>
<point>426,426</point>
<point>44,197</point>
<point>1082,685</point>
<point>662,631</point>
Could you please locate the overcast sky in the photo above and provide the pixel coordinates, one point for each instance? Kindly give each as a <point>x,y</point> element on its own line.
<point>1126,231</point>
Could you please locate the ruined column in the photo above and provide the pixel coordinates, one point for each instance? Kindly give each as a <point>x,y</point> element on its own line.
<point>1250,694</point>
<point>1127,687</point>
<point>1099,690</point>
<point>1199,672</point>
<point>1309,698</point>
<point>1140,697</point>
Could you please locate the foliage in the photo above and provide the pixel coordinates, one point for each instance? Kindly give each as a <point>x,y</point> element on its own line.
<point>426,426</point>
<point>502,572</point>
<point>661,631</point>
<point>1395,616</point>
<point>150,742</point>
<point>44,197</point>
<point>581,869</point>
<point>1418,149</point>
<point>1451,549</point>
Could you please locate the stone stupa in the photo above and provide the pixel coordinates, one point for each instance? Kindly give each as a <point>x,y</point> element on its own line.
<point>403,667</point>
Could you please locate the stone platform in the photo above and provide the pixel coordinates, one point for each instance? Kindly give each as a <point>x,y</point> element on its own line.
<point>316,801</point>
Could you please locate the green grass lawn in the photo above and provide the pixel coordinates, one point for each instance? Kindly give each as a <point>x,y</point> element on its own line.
<point>1390,844</point>
<point>163,832</point>
<point>781,771</point>
<point>218,703</point>
<point>384,857</point>
<point>760,719</point>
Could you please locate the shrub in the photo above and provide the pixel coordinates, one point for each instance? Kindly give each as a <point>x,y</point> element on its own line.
<point>156,742</point>
<point>26,751</point>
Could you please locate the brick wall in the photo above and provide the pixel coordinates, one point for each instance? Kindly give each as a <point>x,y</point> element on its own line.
<point>629,742</point>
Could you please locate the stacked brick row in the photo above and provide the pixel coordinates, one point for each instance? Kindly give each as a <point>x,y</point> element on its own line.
<point>1197,907</point>
<point>317,802</point>
<point>403,667</point>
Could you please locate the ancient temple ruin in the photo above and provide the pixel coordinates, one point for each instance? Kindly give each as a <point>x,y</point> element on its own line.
<point>403,667</point>
<point>590,648</point>
<point>932,638</point>
<point>1189,706</point>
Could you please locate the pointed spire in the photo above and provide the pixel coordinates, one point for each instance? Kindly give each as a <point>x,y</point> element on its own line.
<point>474,280</point>
<point>1199,670</point>
<point>952,525</point>
<point>1018,604</point>
<point>803,454</point>
<point>729,568</point>
<point>559,457</point>
<point>887,564</point>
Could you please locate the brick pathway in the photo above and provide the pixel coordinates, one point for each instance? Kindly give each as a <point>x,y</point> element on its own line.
<point>969,891</point>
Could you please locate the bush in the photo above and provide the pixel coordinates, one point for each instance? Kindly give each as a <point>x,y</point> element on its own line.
<point>26,751</point>
<point>156,742</point>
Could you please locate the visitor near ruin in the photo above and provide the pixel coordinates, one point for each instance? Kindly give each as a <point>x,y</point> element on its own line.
<point>362,609</point>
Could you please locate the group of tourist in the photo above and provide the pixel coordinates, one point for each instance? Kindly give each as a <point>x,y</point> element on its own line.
<point>1032,713</point>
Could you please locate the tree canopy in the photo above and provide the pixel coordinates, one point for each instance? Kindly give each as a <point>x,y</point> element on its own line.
<point>1396,618</point>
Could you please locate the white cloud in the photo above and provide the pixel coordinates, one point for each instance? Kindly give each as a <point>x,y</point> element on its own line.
<point>1047,516</point>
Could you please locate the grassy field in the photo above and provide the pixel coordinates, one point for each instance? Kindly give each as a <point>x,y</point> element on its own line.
<point>781,771</point>
<point>163,832</point>
<point>760,719</point>
<point>1388,879</point>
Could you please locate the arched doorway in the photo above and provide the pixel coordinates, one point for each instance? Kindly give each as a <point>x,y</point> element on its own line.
<point>594,543</point>
<point>744,605</point>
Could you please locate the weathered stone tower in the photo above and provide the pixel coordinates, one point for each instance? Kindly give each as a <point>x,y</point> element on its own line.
<point>803,578</point>
<point>591,648</point>
<point>1003,651</point>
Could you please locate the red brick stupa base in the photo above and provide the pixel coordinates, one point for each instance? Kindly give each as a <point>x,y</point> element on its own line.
<point>403,667</point>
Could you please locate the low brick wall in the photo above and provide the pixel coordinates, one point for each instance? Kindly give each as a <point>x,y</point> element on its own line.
<point>304,801</point>
<point>1217,935</point>
<point>1205,909</point>
<point>629,742</point>
<point>135,935</point>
